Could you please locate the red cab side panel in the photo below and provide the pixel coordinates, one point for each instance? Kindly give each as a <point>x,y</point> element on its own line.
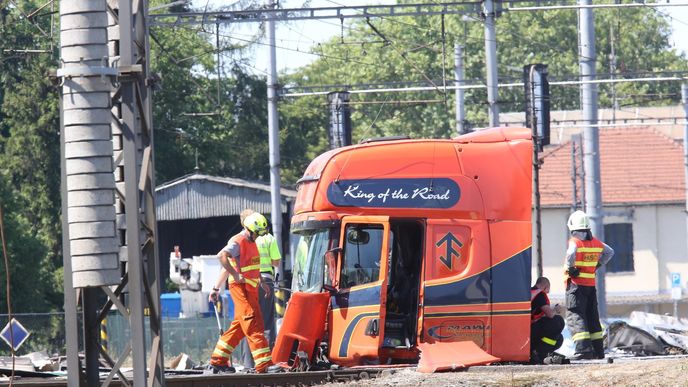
<point>511,264</point>
<point>456,294</point>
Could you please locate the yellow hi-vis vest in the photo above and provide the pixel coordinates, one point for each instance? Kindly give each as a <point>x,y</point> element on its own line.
<point>269,253</point>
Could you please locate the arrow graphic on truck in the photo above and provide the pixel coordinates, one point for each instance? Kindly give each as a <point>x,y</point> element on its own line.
<point>449,239</point>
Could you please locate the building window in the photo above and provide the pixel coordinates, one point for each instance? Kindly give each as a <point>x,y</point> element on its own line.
<point>619,236</point>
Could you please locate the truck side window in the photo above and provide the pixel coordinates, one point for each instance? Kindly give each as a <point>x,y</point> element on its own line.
<point>362,253</point>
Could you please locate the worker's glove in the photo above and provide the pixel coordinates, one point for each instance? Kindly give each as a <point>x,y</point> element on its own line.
<point>573,272</point>
<point>212,297</point>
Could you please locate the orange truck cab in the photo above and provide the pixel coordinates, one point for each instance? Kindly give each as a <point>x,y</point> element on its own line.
<point>408,242</point>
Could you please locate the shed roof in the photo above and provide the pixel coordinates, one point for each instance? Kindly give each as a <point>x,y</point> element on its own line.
<point>198,196</point>
<point>638,165</point>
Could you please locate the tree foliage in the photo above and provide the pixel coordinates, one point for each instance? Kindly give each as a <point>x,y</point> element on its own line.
<point>30,159</point>
<point>214,122</point>
<point>414,51</point>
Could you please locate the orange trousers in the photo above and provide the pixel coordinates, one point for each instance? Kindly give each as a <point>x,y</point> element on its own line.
<point>248,323</point>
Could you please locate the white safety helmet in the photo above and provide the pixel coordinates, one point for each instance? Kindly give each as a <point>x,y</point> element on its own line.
<point>578,221</point>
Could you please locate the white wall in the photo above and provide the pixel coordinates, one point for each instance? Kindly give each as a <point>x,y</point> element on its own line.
<point>673,242</point>
<point>644,278</point>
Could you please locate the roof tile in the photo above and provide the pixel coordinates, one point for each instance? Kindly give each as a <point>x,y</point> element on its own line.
<point>637,165</point>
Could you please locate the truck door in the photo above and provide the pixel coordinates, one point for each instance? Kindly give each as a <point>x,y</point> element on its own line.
<point>457,276</point>
<point>357,315</point>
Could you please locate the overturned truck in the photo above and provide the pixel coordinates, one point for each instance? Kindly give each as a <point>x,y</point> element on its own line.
<point>404,244</point>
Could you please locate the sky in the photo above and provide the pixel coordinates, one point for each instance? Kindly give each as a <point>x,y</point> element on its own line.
<point>679,23</point>
<point>294,40</point>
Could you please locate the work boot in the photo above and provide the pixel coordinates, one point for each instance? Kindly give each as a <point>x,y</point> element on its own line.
<point>274,369</point>
<point>583,356</point>
<point>555,358</point>
<point>222,369</point>
<point>535,358</point>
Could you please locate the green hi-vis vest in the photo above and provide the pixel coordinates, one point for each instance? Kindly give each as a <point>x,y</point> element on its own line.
<point>269,252</point>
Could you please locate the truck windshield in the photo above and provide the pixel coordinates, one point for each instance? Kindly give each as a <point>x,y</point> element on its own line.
<point>309,260</point>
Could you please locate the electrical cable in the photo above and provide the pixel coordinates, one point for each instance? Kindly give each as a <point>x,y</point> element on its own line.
<point>169,55</point>
<point>331,57</point>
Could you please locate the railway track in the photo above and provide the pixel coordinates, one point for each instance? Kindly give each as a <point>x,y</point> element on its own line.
<point>622,366</point>
<point>204,379</point>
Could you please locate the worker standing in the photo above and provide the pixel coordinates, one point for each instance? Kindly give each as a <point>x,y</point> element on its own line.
<point>545,325</point>
<point>270,258</point>
<point>584,255</point>
<point>241,259</point>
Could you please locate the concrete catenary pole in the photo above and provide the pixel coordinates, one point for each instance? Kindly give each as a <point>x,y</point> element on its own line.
<point>458,92</point>
<point>273,138</point>
<point>491,61</point>
<point>87,81</point>
<point>89,187</point>
<point>591,143</point>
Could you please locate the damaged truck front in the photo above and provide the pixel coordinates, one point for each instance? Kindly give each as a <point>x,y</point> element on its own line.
<point>408,243</point>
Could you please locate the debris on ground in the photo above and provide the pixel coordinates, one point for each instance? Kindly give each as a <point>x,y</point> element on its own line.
<point>181,362</point>
<point>38,364</point>
<point>623,337</point>
<point>670,330</point>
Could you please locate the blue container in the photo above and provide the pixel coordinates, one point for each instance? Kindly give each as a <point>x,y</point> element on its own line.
<point>227,305</point>
<point>171,304</point>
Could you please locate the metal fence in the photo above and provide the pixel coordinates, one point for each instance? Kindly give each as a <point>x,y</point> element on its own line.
<point>46,333</point>
<point>194,336</point>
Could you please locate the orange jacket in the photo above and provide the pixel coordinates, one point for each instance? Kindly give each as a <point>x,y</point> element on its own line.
<point>249,260</point>
<point>587,257</point>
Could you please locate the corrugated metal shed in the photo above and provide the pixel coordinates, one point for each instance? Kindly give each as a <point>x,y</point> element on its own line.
<point>198,196</point>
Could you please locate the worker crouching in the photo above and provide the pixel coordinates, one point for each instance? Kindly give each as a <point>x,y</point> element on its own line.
<point>546,325</point>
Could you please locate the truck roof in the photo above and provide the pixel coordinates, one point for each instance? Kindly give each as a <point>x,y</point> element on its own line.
<point>475,176</point>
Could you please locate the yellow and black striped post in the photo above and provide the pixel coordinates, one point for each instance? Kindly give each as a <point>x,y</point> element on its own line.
<point>103,335</point>
<point>280,303</point>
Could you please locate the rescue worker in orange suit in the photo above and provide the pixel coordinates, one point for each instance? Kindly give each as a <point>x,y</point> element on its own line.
<point>269,260</point>
<point>545,324</point>
<point>242,260</point>
<point>584,255</point>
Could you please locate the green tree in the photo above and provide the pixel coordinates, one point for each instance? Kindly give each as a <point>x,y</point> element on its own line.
<point>220,126</point>
<point>30,159</point>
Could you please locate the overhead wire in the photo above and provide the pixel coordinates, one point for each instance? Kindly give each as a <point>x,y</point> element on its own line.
<point>403,54</point>
<point>325,56</point>
<point>165,51</point>
<point>319,45</point>
<point>291,49</point>
<point>394,21</point>
<point>28,19</point>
